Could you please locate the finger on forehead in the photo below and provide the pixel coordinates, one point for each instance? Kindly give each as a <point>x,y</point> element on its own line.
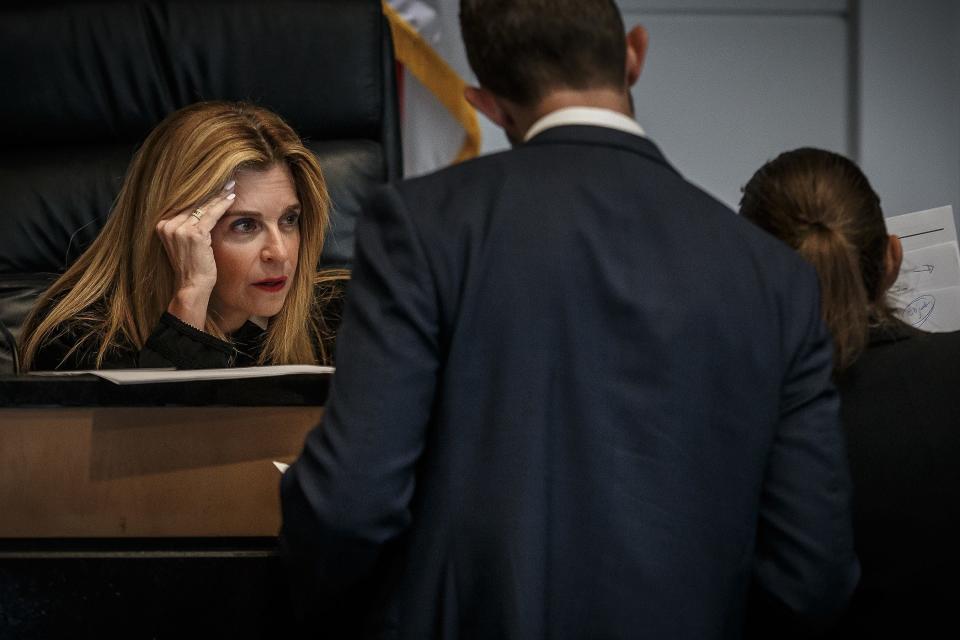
<point>169,224</point>
<point>214,210</point>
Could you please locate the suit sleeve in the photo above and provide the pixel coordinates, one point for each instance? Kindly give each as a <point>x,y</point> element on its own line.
<point>348,494</point>
<point>805,568</point>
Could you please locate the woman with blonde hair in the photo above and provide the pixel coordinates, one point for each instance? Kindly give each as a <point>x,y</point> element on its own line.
<point>208,258</point>
<point>898,387</point>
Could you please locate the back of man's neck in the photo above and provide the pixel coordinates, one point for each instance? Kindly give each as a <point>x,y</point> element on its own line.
<point>563,98</point>
<point>597,98</point>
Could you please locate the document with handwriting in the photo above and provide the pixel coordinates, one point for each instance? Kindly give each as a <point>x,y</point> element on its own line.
<point>927,291</point>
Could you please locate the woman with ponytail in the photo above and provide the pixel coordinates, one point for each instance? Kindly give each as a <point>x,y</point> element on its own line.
<point>900,391</point>
<point>208,258</point>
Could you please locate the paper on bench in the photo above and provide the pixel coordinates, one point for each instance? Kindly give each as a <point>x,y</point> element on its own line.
<point>136,376</point>
<point>140,376</point>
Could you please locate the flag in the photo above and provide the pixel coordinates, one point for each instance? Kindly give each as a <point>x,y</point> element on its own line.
<point>438,126</point>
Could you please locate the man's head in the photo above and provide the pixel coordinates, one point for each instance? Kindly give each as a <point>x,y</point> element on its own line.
<point>523,51</point>
<point>520,49</point>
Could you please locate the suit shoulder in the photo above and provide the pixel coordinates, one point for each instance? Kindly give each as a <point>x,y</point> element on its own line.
<point>743,238</point>
<point>475,170</point>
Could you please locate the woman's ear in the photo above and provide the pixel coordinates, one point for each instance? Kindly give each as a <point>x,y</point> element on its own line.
<point>892,259</point>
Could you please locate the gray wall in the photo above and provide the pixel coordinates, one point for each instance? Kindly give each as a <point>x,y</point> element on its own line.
<point>910,113</point>
<point>730,83</point>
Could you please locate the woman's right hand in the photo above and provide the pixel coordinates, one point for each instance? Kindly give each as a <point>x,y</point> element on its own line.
<point>186,239</point>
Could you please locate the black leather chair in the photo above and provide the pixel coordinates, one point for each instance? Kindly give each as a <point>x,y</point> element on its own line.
<point>85,82</point>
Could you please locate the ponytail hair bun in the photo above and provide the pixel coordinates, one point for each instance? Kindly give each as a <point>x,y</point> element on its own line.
<point>822,205</point>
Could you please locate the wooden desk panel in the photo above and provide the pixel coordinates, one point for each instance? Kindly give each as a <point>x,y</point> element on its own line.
<point>146,471</point>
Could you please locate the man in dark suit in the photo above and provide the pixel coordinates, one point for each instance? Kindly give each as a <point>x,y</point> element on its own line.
<point>576,397</point>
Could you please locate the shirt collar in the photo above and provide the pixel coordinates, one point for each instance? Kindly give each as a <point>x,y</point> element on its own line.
<point>593,116</point>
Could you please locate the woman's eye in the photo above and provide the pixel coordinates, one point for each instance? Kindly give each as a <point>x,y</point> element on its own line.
<point>291,220</point>
<point>244,225</point>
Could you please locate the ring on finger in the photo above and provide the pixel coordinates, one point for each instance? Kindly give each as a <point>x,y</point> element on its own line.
<point>197,213</point>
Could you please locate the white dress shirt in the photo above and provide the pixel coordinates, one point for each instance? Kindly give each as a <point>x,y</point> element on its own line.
<point>592,116</point>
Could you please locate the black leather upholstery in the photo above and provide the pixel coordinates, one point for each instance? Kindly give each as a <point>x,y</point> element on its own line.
<point>85,82</point>
<point>9,362</point>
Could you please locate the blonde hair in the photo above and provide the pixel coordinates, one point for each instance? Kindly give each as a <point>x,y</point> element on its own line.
<point>822,205</point>
<point>117,290</point>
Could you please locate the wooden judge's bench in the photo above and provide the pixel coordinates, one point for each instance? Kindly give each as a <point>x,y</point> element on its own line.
<point>148,510</point>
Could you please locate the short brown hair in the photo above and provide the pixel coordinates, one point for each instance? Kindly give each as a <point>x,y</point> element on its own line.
<point>822,205</point>
<point>521,49</point>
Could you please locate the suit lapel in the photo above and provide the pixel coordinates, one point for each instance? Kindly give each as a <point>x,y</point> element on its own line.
<point>601,136</point>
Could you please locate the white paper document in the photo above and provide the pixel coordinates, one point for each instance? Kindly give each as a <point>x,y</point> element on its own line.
<point>281,467</point>
<point>140,376</point>
<point>927,291</point>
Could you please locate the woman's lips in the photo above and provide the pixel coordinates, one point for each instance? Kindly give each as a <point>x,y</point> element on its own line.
<point>271,284</point>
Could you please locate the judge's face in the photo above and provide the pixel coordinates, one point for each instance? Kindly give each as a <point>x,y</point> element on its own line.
<point>256,245</point>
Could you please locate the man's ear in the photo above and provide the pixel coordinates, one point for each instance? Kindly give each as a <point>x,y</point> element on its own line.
<point>637,41</point>
<point>892,259</point>
<point>486,103</point>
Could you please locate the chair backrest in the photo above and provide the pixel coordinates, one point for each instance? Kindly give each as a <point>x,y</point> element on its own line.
<point>9,360</point>
<point>85,83</point>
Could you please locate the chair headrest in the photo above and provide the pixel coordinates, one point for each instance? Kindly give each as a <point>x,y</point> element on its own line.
<point>86,82</point>
<point>93,72</point>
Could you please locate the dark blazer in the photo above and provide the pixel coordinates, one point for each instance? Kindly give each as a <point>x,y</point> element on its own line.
<point>901,411</point>
<point>576,398</point>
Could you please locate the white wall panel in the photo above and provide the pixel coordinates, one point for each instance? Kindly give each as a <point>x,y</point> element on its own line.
<point>722,94</point>
<point>911,102</point>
